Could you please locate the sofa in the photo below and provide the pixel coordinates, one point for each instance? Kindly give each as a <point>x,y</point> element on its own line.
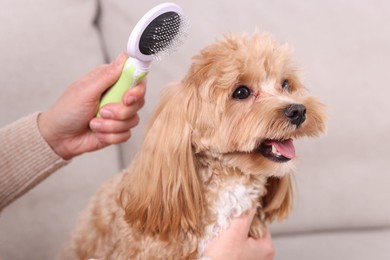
<point>342,183</point>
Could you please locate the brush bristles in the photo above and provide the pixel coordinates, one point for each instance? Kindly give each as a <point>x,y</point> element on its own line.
<point>164,35</point>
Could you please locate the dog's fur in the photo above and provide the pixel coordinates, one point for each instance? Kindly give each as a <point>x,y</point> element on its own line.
<point>200,163</point>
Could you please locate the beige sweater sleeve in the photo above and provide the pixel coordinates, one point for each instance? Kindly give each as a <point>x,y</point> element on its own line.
<point>25,159</point>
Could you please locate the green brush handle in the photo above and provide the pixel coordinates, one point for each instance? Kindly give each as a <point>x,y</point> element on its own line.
<point>133,71</point>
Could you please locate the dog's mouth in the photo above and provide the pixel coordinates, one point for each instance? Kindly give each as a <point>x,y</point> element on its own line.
<point>278,150</point>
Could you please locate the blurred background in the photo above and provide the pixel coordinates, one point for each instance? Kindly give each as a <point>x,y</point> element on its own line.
<point>342,208</point>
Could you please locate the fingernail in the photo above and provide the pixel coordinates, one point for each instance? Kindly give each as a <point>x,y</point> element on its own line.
<point>119,59</point>
<point>130,100</point>
<point>105,113</point>
<point>95,125</point>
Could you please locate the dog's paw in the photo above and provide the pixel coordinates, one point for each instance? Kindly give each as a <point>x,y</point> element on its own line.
<point>257,228</point>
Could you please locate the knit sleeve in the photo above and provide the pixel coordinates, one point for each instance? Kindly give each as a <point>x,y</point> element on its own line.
<point>25,159</point>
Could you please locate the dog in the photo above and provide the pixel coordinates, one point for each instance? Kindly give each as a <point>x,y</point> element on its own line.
<point>219,144</point>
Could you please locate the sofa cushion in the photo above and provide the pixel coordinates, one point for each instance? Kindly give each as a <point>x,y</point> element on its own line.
<point>357,245</point>
<point>44,46</point>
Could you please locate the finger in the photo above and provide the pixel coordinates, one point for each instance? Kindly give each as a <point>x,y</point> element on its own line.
<point>242,224</point>
<point>265,244</point>
<point>113,126</point>
<point>109,74</point>
<point>121,111</point>
<point>113,138</point>
<point>135,93</point>
<point>103,77</point>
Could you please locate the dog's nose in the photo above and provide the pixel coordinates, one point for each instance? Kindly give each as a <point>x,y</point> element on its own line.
<point>296,114</point>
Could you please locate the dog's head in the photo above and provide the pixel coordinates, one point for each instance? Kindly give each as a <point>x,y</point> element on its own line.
<point>242,103</point>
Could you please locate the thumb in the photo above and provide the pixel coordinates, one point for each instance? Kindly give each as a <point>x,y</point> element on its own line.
<point>241,225</point>
<point>103,77</point>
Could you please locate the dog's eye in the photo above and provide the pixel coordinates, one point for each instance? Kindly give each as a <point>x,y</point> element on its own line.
<point>242,92</point>
<point>286,84</point>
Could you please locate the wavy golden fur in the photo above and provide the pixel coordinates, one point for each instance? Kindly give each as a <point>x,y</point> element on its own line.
<point>206,156</point>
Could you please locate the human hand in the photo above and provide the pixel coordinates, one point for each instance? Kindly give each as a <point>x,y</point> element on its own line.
<point>234,243</point>
<point>70,126</point>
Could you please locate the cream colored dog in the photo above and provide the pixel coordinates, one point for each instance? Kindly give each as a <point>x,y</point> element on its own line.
<point>219,144</point>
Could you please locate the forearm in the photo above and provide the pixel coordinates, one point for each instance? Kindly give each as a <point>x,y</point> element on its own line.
<point>25,159</point>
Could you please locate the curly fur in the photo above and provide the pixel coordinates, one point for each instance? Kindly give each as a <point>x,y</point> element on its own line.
<point>199,164</point>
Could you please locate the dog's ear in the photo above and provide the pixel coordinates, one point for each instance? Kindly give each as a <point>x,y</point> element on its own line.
<point>162,193</point>
<point>278,200</point>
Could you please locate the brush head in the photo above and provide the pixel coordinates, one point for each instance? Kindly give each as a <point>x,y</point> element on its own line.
<point>159,31</point>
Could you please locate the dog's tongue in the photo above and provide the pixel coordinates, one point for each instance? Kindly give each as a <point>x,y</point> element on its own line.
<point>286,147</point>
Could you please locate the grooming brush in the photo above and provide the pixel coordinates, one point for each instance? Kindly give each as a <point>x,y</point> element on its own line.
<point>161,29</point>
